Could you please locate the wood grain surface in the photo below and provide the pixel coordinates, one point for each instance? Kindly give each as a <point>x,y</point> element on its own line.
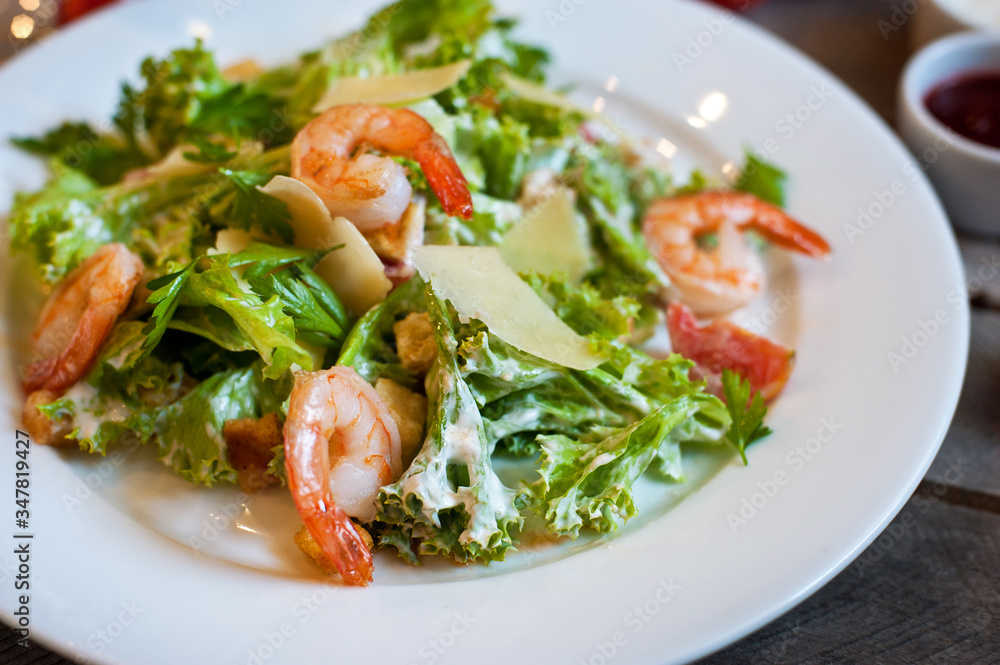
<point>928,589</point>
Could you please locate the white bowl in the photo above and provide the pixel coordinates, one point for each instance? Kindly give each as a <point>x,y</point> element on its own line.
<point>933,19</point>
<point>965,173</point>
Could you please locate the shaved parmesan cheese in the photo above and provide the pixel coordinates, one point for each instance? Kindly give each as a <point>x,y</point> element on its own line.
<point>392,88</point>
<point>481,286</point>
<point>354,271</point>
<point>549,239</point>
<point>174,164</point>
<point>539,94</point>
<point>231,241</point>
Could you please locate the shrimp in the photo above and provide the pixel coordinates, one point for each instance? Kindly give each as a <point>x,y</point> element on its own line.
<point>335,414</point>
<point>78,316</point>
<point>371,190</point>
<point>716,282</point>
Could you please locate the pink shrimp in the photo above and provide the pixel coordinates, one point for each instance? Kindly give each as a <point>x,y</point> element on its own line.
<point>336,415</point>
<point>79,315</point>
<point>371,190</point>
<point>718,281</point>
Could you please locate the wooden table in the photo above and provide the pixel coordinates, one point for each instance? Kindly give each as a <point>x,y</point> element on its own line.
<point>928,589</point>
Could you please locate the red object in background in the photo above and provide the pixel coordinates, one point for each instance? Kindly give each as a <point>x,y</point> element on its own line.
<point>738,4</point>
<point>970,105</point>
<point>74,9</point>
<point>723,345</point>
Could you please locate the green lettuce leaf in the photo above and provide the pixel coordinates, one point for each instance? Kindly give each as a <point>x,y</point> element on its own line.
<point>189,431</point>
<point>588,483</point>
<point>263,325</point>
<point>67,221</point>
<point>184,97</point>
<point>103,158</point>
<point>119,395</point>
<point>450,500</point>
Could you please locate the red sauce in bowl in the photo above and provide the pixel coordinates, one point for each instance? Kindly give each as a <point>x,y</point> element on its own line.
<point>970,105</point>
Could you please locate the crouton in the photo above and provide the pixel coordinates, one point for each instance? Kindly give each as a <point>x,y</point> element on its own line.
<point>243,71</point>
<point>250,443</point>
<point>415,342</point>
<point>409,411</point>
<point>396,242</point>
<point>43,430</point>
<point>311,548</point>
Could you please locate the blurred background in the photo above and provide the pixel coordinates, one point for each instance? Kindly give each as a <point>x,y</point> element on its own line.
<point>843,35</point>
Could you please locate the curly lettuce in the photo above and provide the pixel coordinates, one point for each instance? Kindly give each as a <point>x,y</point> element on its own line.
<point>450,501</point>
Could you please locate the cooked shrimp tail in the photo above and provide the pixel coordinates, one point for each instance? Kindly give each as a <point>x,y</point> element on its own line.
<point>341,446</point>
<point>445,177</point>
<point>784,231</point>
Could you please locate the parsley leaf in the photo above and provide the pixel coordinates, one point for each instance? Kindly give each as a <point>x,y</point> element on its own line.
<point>319,317</point>
<point>763,180</point>
<point>209,152</point>
<point>166,292</point>
<point>248,206</point>
<point>747,414</point>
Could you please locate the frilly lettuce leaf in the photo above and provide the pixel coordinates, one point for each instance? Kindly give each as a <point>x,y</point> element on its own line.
<point>128,396</point>
<point>189,431</point>
<point>67,221</point>
<point>116,396</point>
<point>102,157</point>
<point>287,306</point>
<point>587,483</point>
<point>450,501</point>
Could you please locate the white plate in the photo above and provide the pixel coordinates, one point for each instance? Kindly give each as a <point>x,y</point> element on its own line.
<point>115,573</point>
